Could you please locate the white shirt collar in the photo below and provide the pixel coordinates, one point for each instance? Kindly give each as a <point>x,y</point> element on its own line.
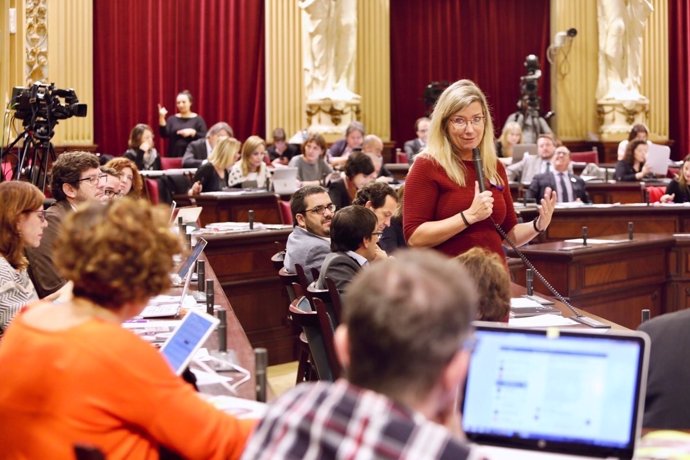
<point>361,260</point>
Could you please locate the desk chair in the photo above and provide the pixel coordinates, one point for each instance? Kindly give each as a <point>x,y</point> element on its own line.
<point>285,212</point>
<point>302,277</point>
<point>591,156</point>
<point>401,157</point>
<point>152,192</point>
<point>330,298</point>
<point>278,259</point>
<point>327,332</point>
<point>171,162</point>
<point>306,318</point>
<point>654,193</point>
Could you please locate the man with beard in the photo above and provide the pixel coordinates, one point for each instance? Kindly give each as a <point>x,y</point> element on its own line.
<point>309,242</point>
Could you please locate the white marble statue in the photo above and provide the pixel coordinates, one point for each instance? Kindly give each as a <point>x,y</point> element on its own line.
<point>621,27</point>
<point>329,44</point>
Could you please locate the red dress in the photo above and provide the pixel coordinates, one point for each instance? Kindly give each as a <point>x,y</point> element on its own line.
<point>430,195</point>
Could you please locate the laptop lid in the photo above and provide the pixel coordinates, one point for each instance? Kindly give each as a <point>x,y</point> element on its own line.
<point>285,181</point>
<point>189,214</point>
<point>658,157</point>
<point>189,336</point>
<point>192,258</point>
<point>519,151</point>
<point>570,392</point>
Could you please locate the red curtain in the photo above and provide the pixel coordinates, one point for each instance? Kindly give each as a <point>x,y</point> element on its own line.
<point>679,75</point>
<point>146,51</point>
<point>485,41</point>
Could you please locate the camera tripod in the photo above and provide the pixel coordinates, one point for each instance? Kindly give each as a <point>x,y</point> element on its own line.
<point>33,158</point>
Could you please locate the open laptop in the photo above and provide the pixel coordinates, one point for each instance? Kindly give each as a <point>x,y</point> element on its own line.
<point>519,151</point>
<point>189,336</point>
<point>554,393</point>
<point>285,181</point>
<point>189,214</point>
<point>192,258</point>
<point>167,306</point>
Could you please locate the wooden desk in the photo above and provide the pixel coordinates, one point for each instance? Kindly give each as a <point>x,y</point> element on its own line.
<point>614,281</point>
<point>568,222</point>
<point>399,170</point>
<point>242,263</point>
<point>600,192</point>
<point>235,206</point>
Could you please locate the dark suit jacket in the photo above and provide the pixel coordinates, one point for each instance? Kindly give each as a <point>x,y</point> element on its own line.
<point>668,398</point>
<point>337,190</point>
<point>541,181</point>
<point>412,148</point>
<point>339,267</point>
<point>338,148</point>
<point>195,154</point>
<point>41,269</point>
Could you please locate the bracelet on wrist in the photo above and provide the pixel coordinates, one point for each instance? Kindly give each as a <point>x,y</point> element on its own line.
<point>534,224</point>
<point>464,219</point>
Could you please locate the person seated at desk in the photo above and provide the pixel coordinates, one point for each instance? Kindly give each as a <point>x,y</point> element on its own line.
<point>311,165</point>
<point>309,243</point>
<point>414,146</point>
<point>353,245</point>
<point>198,151</point>
<point>212,176</point>
<point>632,167</point>
<point>380,198</point>
<point>342,149</point>
<point>678,190</point>
<point>90,380</point>
<point>111,184</point>
<point>405,343</point>
<point>667,399</point>
<point>531,165</point>
<point>131,183</point>
<point>251,165</point>
<point>568,186</point>
<point>637,132</point>
<point>142,150</point>
<point>280,152</point>
<point>493,283</point>
<point>373,148</point>
<point>359,171</point>
<point>510,136</point>
<point>393,237</point>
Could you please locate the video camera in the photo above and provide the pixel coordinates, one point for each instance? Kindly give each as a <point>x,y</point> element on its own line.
<point>529,99</point>
<point>43,102</point>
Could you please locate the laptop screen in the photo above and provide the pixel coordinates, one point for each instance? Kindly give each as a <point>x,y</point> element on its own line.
<point>191,259</point>
<point>561,391</point>
<point>189,336</point>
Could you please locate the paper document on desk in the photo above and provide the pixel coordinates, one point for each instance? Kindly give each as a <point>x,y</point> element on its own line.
<point>594,241</point>
<point>239,407</point>
<point>547,320</point>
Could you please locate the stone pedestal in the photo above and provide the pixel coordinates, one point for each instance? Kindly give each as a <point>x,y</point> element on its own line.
<point>616,117</point>
<point>330,117</point>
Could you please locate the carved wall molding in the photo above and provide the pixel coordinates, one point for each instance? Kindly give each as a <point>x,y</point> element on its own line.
<point>36,42</point>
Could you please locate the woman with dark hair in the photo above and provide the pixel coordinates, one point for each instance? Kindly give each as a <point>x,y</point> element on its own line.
<point>131,183</point>
<point>141,149</point>
<point>632,167</point>
<point>637,132</point>
<point>311,166</point>
<point>22,221</point>
<point>90,380</point>
<point>181,128</point>
<point>678,190</point>
<point>359,171</point>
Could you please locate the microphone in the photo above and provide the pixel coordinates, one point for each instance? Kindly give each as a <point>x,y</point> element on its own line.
<point>261,356</point>
<point>223,331</point>
<point>630,230</point>
<point>479,167</point>
<point>210,297</point>
<point>251,219</point>
<point>529,281</point>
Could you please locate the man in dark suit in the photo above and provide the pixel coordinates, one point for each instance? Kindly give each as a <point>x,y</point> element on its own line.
<point>413,147</point>
<point>353,245</point>
<point>568,186</point>
<point>198,151</point>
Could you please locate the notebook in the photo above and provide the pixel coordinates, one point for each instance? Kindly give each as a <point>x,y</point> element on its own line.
<point>519,151</point>
<point>580,393</point>
<point>285,181</point>
<point>189,336</point>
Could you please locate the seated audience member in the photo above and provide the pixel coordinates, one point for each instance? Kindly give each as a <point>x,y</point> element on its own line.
<point>633,167</point>
<point>493,283</point>
<point>75,179</point>
<point>309,243</point>
<point>359,171</point>
<point>100,384</point>
<point>131,183</point>
<point>251,166</point>
<point>405,343</point>
<point>311,165</point>
<point>393,237</point>
<point>342,149</point>
<point>413,147</point>
<point>667,399</point>
<point>111,184</point>
<point>510,136</point>
<point>637,132</point>
<point>22,220</point>
<point>373,148</point>
<point>531,165</point>
<point>198,151</point>
<point>141,149</point>
<point>380,198</point>
<point>212,176</point>
<point>280,152</point>
<point>678,190</point>
<point>353,245</point>
<point>568,186</point>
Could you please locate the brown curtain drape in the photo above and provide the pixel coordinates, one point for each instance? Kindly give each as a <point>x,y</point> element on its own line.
<point>679,75</point>
<point>483,40</point>
<point>146,51</point>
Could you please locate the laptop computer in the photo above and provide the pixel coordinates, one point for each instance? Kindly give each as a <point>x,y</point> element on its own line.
<point>167,306</point>
<point>192,258</point>
<point>189,214</point>
<point>530,392</point>
<point>519,151</point>
<point>285,181</point>
<point>189,336</point>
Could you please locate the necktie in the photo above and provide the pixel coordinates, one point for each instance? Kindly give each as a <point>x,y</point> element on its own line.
<point>548,167</point>
<point>564,188</point>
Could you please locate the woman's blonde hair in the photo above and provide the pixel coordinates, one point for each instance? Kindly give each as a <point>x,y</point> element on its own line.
<point>223,154</point>
<point>510,127</point>
<point>457,97</point>
<point>250,145</point>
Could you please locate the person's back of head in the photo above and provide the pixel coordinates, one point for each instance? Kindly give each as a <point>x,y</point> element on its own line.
<point>405,319</point>
<point>220,127</point>
<point>298,201</point>
<point>67,169</point>
<point>493,283</point>
<point>374,193</point>
<point>351,225</point>
<point>359,163</point>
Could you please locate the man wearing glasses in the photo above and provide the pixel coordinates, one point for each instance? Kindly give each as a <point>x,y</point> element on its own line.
<point>75,178</point>
<point>111,184</point>
<point>309,242</point>
<point>525,169</point>
<point>568,186</point>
